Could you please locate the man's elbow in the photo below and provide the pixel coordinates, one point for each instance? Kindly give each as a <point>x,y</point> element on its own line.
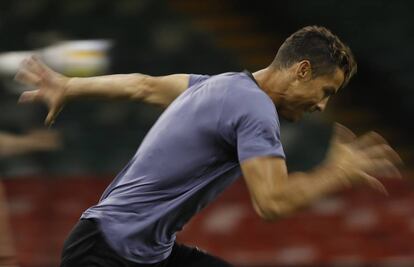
<point>140,87</point>
<point>151,90</point>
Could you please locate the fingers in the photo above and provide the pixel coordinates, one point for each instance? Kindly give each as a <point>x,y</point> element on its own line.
<point>31,71</point>
<point>367,140</point>
<point>382,159</point>
<point>383,151</point>
<point>27,77</point>
<point>364,157</point>
<point>29,96</point>
<point>37,65</point>
<point>341,134</point>
<point>383,168</point>
<point>374,183</point>
<point>51,116</point>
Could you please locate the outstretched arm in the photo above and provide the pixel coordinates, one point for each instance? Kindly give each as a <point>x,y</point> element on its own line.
<point>350,161</point>
<point>55,90</point>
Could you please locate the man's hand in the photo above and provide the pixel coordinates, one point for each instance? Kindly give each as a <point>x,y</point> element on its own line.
<point>49,86</point>
<point>359,159</point>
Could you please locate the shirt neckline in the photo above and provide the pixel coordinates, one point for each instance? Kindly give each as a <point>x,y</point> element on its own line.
<point>248,73</point>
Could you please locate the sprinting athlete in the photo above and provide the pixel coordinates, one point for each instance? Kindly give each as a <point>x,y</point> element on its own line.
<point>214,129</point>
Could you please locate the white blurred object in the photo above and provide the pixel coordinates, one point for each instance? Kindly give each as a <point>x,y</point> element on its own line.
<point>10,61</point>
<point>73,58</point>
<point>78,57</point>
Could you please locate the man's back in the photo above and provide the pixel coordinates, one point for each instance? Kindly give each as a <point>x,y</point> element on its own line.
<point>189,156</point>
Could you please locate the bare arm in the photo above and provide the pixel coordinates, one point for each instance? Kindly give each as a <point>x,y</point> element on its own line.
<point>274,193</point>
<point>137,87</point>
<point>37,140</point>
<point>55,90</point>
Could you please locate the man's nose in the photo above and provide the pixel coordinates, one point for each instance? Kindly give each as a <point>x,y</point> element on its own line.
<point>322,105</point>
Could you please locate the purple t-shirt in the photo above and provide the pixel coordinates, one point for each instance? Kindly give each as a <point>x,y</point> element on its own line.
<point>190,155</point>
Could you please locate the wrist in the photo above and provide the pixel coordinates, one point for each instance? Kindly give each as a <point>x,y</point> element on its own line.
<point>334,172</point>
<point>67,88</point>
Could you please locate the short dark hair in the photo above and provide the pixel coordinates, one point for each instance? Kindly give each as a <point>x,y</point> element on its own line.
<point>322,48</point>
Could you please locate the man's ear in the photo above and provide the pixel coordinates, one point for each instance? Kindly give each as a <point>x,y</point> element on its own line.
<point>304,70</point>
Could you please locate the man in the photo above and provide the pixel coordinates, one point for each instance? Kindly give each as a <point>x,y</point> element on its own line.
<point>215,129</point>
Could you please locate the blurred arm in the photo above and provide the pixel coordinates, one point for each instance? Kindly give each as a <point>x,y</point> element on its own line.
<point>274,193</point>
<point>350,161</point>
<point>39,140</point>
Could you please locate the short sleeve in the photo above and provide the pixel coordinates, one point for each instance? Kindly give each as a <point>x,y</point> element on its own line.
<point>258,135</point>
<point>196,78</point>
<point>250,122</point>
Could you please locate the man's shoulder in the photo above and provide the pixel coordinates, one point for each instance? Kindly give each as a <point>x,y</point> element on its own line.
<point>244,89</point>
<point>246,98</point>
<point>234,77</point>
<point>236,88</point>
<point>239,85</point>
<point>226,77</point>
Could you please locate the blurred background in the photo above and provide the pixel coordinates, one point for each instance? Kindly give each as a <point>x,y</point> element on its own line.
<point>47,191</point>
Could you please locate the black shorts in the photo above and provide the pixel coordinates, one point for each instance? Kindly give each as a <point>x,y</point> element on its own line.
<point>86,247</point>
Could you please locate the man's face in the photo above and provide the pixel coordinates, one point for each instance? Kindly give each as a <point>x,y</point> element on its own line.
<point>310,94</point>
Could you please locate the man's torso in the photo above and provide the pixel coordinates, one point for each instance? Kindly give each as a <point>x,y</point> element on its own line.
<point>187,158</point>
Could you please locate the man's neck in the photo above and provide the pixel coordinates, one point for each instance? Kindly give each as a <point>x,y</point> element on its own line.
<point>273,82</point>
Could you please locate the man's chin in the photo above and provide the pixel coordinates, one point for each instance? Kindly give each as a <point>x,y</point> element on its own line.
<point>292,117</point>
